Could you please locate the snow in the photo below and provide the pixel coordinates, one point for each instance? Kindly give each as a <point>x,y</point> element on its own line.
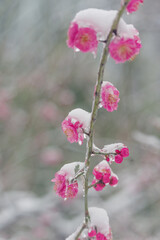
<point>69,168</point>
<point>99,218</point>
<point>101,21</point>
<point>82,116</point>
<point>112,147</point>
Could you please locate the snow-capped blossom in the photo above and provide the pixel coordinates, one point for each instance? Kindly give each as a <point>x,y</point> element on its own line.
<point>115,152</point>
<point>113,180</point>
<point>73,130</point>
<point>102,171</point>
<point>92,25</point>
<point>103,175</point>
<point>99,224</point>
<point>133,5</point>
<point>109,96</point>
<point>123,49</point>
<point>75,125</point>
<point>63,187</point>
<point>83,39</point>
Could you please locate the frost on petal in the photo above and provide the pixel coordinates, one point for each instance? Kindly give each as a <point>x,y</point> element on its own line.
<point>76,124</point>
<point>123,49</point>
<point>109,96</point>
<point>133,5</point>
<point>99,219</point>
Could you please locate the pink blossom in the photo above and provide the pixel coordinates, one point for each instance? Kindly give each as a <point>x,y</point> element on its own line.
<point>62,186</point>
<point>106,178</point>
<point>76,125</point>
<point>92,233</point>
<point>102,169</point>
<point>122,49</point>
<point>124,152</point>
<point>99,186</point>
<point>133,5</point>
<point>73,130</point>
<point>83,39</point>
<point>98,175</point>
<point>109,96</point>
<point>113,180</point>
<point>118,158</point>
<point>100,236</point>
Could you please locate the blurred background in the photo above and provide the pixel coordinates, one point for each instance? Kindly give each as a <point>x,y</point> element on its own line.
<point>41,80</point>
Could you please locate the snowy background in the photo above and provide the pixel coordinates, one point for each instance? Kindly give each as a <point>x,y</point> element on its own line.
<point>41,80</point>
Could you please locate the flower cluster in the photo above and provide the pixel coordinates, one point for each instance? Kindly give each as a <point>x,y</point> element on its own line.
<point>75,125</point>
<point>115,152</point>
<point>109,96</point>
<point>92,25</point>
<point>63,185</point>
<point>103,176</point>
<point>133,5</point>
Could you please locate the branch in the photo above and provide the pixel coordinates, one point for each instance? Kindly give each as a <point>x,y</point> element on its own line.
<point>96,99</point>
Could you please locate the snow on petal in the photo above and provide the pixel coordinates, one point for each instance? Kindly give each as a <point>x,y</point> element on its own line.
<point>76,124</point>
<point>63,187</point>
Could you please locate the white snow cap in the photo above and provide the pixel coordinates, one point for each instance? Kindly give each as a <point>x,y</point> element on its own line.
<point>101,21</point>
<point>111,148</point>
<point>100,219</point>
<point>70,168</point>
<point>103,164</point>
<point>82,116</point>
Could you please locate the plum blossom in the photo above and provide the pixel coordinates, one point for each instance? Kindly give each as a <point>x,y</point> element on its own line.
<point>63,185</point>
<point>113,180</point>
<point>92,25</point>
<point>75,125</point>
<point>109,96</point>
<point>115,152</point>
<point>123,49</point>
<point>99,226</point>
<point>103,175</point>
<point>133,5</point>
<point>83,39</point>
